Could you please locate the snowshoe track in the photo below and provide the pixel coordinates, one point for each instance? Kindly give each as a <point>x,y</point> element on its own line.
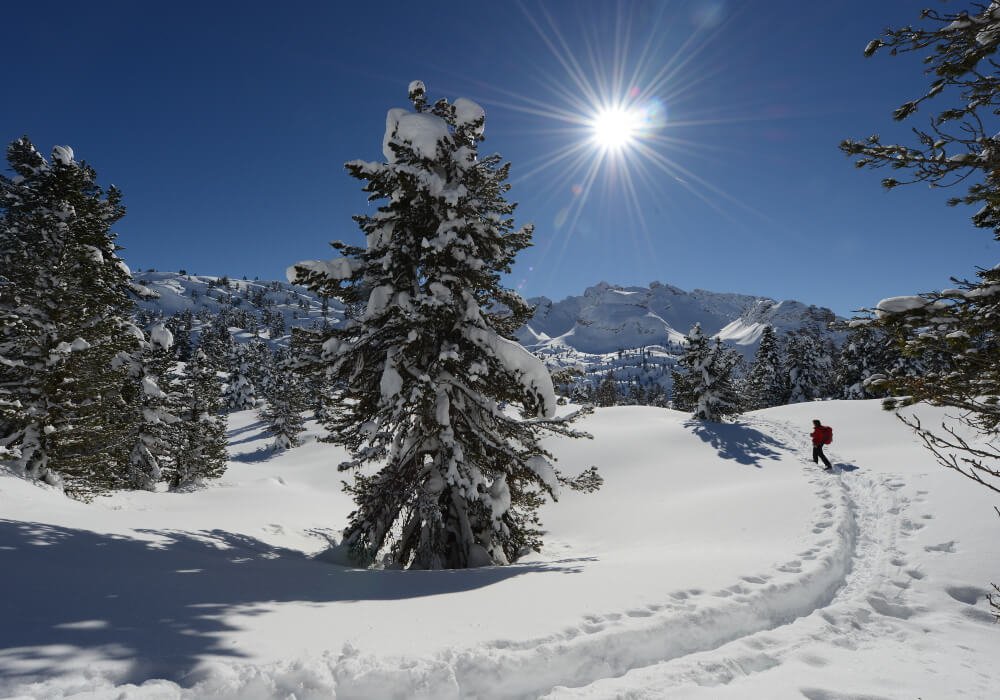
<point>847,585</point>
<point>870,518</point>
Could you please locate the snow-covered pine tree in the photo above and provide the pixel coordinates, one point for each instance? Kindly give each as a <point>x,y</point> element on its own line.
<point>286,400</point>
<point>306,348</point>
<point>240,393</point>
<point>200,448</point>
<point>276,327</point>
<point>430,375</point>
<point>607,393</point>
<point>65,307</point>
<point>155,426</point>
<point>258,357</point>
<point>766,383</point>
<point>808,366</point>
<point>696,352</point>
<point>957,331</point>
<point>704,378</point>
<point>216,341</point>
<point>180,326</point>
<point>868,352</point>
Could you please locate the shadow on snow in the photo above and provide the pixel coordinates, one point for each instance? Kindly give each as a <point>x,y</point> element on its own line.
<point>162,605</point>
<point>737,441</point>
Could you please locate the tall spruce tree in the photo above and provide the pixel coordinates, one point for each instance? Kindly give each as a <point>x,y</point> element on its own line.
<point>429,372</point>
<point>155,426</point>
<point>808,366</point>
<point>64,305</point>
<point>240,393</point>
<point>286,400</point>
<point>200,449</point>
<point>766,384</point>
<point>957,330</point>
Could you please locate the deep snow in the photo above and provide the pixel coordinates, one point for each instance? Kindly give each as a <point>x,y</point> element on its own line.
<point>716,562</point>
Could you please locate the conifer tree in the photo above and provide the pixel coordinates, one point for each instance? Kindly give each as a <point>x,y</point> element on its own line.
<point>240,393</point>
<point>286,400</point>
<point>696,351</point>
<point>64,307</point>
<point>956,330</point>
<point>703,380</point>
<point>867,355</point>
<point>430,374</point>
<point>200,449</point>
<point>155,427</point>
<point>180,326</point>
<point>217,342</point>
<point>607,393</point>
<point>808,366</point>
<point>766,383</point>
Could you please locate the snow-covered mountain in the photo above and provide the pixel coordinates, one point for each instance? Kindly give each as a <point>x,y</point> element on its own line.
<point>605,319</point>
<point>608,318</point>
<point>636,332</point>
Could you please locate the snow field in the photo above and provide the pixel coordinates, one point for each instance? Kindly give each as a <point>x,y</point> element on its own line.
<point>717,561</point>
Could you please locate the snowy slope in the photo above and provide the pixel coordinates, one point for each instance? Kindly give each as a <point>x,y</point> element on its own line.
<point>208,295</point>
<point>715,562</point>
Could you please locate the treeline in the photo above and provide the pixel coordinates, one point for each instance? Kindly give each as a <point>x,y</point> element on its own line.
<point>794,367</point>
<point>95,394</point>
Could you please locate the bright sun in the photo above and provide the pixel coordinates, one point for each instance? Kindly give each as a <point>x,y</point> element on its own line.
<point>615,128</point>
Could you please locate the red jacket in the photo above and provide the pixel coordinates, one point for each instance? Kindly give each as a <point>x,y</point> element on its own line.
<point>819,434</point>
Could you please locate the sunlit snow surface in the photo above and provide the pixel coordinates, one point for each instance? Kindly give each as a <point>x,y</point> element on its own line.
<point>716,562</point>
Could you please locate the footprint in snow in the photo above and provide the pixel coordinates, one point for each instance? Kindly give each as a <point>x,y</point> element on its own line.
<point>889,608</point>
<point>969,595</point>
<point>948,547</point>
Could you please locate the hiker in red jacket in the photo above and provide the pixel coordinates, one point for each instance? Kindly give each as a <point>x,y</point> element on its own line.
<point>821,435</point>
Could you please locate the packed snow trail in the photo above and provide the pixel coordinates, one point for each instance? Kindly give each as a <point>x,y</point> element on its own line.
<point>839,565</point>
<point>868,609</point>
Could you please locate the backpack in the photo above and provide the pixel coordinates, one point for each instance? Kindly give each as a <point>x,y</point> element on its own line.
<point>827,435</point>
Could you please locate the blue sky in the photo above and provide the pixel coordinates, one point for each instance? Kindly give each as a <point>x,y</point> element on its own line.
<point>226,125</point>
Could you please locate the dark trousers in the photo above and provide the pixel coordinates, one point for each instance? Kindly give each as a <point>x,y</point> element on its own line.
<point>818,455</point>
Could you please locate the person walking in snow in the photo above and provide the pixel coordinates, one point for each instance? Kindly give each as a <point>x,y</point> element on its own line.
<point>821,435</point>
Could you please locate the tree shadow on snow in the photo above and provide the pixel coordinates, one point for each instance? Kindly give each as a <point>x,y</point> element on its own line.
<point>261,454</point>
<point>736,441</point>
<point>162,605</point>
<point>233,432</point>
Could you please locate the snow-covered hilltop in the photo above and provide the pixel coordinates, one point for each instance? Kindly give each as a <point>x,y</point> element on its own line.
<point>263,308</point>
<point>608,318</point>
